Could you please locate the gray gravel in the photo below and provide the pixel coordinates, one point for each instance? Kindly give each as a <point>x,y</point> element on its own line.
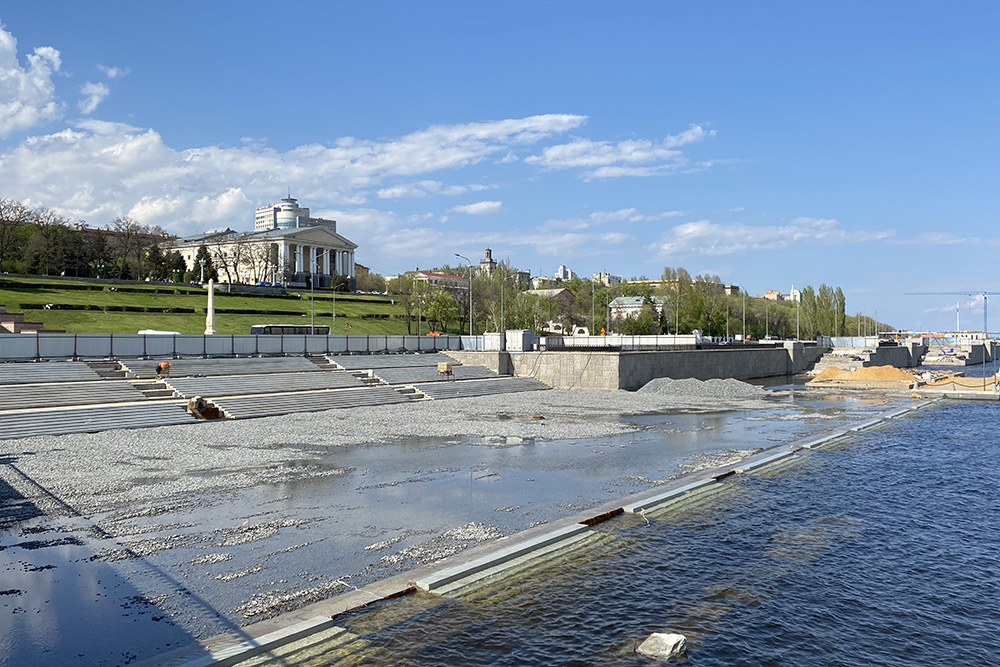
<point>126,468</point>
<point>726,389</point>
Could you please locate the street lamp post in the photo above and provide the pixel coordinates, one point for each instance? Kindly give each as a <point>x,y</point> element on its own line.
<point>470,289</point>
<point>745,317</point>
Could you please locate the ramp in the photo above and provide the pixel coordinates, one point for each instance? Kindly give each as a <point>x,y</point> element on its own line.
<point>467,388</point>
<point>27,396</point>
<point>271,383</point>
<point>31,372</point>
<point>269,405</point>
<point>91,419</point>
<point>146,368</point>
<point>360,362</point>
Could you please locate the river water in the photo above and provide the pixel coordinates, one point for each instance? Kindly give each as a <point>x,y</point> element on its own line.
<point>881,550</point>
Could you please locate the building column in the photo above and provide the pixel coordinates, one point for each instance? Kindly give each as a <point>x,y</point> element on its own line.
<point>298,258</point>
<point>350,263</point>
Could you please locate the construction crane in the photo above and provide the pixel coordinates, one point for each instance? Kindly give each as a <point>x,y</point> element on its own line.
<point>986,331</point>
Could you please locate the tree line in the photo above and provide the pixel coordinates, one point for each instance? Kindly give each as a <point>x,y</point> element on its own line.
<point>676,303</point>
<point>38,241</point>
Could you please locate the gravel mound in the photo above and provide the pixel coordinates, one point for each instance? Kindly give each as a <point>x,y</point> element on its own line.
<point>689,387</point>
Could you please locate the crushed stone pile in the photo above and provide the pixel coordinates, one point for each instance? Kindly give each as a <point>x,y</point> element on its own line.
<point>692,388</point>
<point>870,373</point>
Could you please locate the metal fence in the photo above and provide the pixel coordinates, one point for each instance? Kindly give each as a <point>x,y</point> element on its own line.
<point>19,347</point>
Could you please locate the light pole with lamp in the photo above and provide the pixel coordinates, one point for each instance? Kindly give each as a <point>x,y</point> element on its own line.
<point>470,289</point>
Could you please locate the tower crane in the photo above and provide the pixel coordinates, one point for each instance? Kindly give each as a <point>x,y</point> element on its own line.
<point>985,295</point>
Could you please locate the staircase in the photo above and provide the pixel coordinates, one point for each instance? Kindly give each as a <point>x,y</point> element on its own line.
<point>153,389</point>
<point>108,370</point>
<point>14,323</point>
<point>324,363</point>
<point>847,360</point>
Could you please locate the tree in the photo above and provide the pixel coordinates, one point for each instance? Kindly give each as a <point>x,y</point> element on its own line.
<point>50,244</point>
<point>125,243</point>
<point>405,288</point>
<point>155,263</point>
<point>175,265</point>
<point>440,309</point>
<point>370,282</point>
<point>204,268</point>
<point>12,216</point>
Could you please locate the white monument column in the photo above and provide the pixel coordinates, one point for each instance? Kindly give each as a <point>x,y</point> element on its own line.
<point>210,310</point>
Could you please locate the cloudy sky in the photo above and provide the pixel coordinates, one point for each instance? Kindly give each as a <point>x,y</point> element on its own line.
<point>772,143</point>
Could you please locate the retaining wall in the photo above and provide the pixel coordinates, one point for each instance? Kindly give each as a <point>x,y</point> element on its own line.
<point>900,356</point>
<point>631,370</point>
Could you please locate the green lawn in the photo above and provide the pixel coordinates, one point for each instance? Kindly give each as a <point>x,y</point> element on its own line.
<point>81,307</point>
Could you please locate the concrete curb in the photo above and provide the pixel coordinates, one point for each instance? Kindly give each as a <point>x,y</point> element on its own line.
<point>450,575</point>
<point>245,650</point>
<point>666,497</point>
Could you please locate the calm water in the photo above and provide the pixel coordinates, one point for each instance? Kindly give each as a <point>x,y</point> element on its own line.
<point>883,550</point>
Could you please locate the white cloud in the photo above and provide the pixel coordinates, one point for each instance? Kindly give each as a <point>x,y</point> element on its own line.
<point>602,217</point>
<point>949,238</point>
<point>479,208</point>
<point>94,94</point>
<point>428,188</point>
<point>703,237</point>
<point>738,209</point>
<point>125,168</point>
<point>112,72</point>
<point>634,157</point>
<point>27,96</point>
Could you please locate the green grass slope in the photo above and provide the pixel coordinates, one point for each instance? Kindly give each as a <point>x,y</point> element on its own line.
<point>91,307</point>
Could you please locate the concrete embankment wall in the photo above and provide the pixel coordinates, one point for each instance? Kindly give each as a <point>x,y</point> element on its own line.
<point>631,370</point>
<point>900,356</point>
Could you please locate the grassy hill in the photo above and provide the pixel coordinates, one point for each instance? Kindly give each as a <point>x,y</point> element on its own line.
<point>79,306</point>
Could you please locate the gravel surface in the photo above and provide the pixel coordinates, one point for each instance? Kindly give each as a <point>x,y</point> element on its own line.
<point>717,389</point>
<point>103,471</point>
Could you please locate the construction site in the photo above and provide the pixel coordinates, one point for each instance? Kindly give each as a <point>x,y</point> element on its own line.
<point>195,505</point>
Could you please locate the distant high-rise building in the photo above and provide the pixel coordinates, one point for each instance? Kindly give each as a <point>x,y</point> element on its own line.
<point>287,214</point>
<point>563,273</point>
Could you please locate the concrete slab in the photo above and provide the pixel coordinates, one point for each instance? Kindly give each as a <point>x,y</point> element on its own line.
<point>231,655</point>
<point>493,561</point>
<point>754,463</point>
<point>665,497</point>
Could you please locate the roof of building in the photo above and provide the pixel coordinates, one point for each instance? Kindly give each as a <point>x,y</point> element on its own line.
<point>636,301</point>
<point>549,293</point>
<point>230,236</point>
<point>441,275</point>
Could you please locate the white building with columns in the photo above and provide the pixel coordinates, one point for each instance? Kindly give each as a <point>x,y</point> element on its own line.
<point>289,247</point>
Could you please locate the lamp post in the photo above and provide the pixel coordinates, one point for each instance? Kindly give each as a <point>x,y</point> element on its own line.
<point>470,289</point>
<point>745,316</point>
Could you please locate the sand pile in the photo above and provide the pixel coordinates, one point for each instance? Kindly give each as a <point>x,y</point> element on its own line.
<point>692,388</point>
<point>869,373</point>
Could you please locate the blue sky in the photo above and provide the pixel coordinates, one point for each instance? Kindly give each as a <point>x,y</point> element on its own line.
<point>773,143</point>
